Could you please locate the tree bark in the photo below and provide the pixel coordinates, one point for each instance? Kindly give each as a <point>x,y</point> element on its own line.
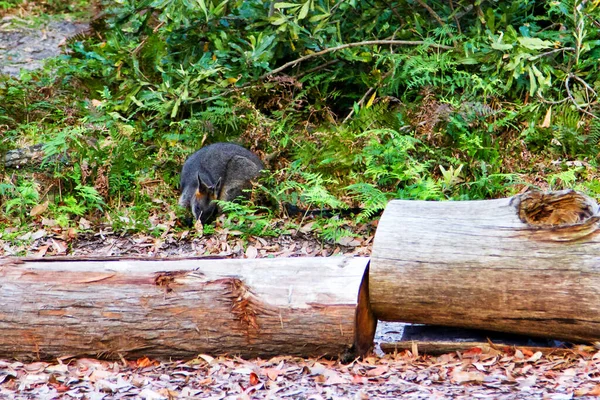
<point>525,265</point>
<point>178,309</point>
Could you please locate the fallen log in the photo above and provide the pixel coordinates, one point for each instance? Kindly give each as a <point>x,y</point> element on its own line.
<point>526,265</point>
<point>178,309</point>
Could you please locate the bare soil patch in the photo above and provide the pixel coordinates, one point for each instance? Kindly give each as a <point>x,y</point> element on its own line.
<point>23,47</point>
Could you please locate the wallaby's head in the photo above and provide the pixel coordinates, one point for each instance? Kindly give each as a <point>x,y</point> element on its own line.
<point>202,204</point>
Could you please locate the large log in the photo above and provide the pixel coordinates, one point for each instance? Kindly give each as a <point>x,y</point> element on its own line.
<point>178,309</point>
<point>527,265</point>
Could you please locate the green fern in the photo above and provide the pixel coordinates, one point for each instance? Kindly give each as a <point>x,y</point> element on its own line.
<point>371,199</point>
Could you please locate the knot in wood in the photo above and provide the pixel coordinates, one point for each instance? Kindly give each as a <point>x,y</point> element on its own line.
<point>565,207</point>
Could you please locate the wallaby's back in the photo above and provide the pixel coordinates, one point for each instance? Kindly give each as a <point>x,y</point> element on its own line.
<point>220,171</point>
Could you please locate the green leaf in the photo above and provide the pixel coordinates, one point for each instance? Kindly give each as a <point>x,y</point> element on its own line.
<point>286,5</point>
<point>468,61</point>
<point>501,46</point>
<point>280,21</point>
<point>202,5</point>
<point>532,82</point>
<point>304,10</point>
<point>534,43</point>
<point>317,18</point>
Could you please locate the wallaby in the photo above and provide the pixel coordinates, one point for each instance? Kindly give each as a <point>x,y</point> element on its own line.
<point>220,171</point>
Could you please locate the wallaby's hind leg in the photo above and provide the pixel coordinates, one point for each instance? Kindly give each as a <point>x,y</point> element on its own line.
<point>240,170</point>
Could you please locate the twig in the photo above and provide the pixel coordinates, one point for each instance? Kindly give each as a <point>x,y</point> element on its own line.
<point>437,17</point>
<point>584,83</point>
<point>455,17</point>
<point>226,92</point>
<point>360,102</point>
<point>432,12</point>
<point>368,93</point>
<point>394,11</point>
<point>335,7</point>
<point>143,42</point>
<point>271,8</point>
<point>317,68</point>
<point>551,52</point>
<point>356,44</point>
<point>545,101</point>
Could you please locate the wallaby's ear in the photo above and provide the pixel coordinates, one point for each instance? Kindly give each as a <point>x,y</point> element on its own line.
<point>203,187</point>
<point>217,188</point>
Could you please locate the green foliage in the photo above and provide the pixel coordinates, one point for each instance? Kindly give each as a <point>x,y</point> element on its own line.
<point>309,191</point>
<point>249,219</point>
<point>472,98</point>
<point>371,198</point>
<point>20,199</point>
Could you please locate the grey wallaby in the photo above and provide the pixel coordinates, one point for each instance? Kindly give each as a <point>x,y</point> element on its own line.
<point>220,171</point>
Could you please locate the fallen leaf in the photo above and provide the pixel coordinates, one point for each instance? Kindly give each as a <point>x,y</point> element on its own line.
<point>348,241</point>
<point>254,379</point>
<point>36,367</point>
<point>595,391</point>
<point>39,209</point>
<point>308,227</point>
<point>527,382</point>
<point>535,357</point>
<point>459,376</point>
<point>146,362</point>
<point>49,222</point>
<point>40,233</point>
<point>272,373</point>
<point>199,228</point>
<point>377,371</point>
<point>526,352</point>
<point>547,118</point>
<point>251,252</point>
<point>59,246</point>
<point>148,394</point>
<point>473,351</point>
<point>100,374</point>
<point>84,224</point>
<point>71,233</point>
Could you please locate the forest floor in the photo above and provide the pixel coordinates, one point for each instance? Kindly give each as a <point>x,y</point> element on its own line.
<point>474,374</point>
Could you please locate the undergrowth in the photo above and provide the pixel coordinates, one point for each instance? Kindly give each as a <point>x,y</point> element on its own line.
<point>472,101</point>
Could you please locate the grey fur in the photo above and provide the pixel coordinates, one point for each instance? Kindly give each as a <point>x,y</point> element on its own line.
<point>219,171</point>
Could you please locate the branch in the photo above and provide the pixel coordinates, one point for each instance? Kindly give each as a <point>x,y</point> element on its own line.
<point>585,84</point>
<point>545,101</point>
<point>551,52</point>
<point>360,103</point>
<point>434,15</point>
<point>319,53</point>
<point>368,93</point>
<point>317,68</point>
<point>391,7</point>
<point>348,45</point>
<point>455,18</point>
